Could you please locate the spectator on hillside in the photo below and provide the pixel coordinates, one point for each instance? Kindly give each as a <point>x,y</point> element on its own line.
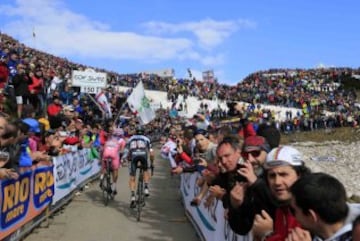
<point>55,108</point>
<point>36,89</point>
<point>20,82</point>
<point>4,76</point>
<point>67,95</point>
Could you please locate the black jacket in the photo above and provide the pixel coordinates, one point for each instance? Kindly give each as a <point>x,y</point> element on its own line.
<point>257,198</point>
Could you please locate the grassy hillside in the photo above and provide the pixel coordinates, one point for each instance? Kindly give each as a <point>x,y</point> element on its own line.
<point>345,134</point>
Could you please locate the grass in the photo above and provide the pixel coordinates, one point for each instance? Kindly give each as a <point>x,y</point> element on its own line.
<point>344,134</point>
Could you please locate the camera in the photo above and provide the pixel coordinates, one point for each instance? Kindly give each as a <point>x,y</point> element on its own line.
<point>238,177</point>
<point>196,161</point>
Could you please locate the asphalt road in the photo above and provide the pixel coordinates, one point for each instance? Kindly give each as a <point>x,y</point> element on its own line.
<point>86,218</point>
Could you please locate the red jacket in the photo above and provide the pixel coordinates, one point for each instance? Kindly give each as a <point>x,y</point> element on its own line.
<point>284,221</point>
<point>4,75</point>
<point>36,86</point>
<point>53,109</point>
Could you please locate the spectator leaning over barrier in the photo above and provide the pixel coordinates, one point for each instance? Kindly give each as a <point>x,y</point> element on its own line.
<point>7,141</point>
<point>185,149</point>
<point>8,174</point>
<point>252,195</point>
<point>284,165</point>
<point>229,156</point>
<point>3,122</point>
<point>204,154</point>
<point>319,204</point>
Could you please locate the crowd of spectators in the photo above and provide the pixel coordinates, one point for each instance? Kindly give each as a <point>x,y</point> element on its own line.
<point>36,85</point>
<point>266,189</point>
<point>43,115</point>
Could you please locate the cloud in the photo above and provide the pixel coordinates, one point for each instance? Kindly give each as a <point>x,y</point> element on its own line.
<point>62,32</point>
<point>209,33</point>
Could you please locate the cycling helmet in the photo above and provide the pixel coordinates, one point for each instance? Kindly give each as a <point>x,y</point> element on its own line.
<point>140,130</point>
<point>118,132</point>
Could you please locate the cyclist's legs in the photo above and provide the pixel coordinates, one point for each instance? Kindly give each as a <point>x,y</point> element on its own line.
<point>146,172</point>
<point>115,171</point>
<point>132,172</point>
<point>146,166</point>
<point>103,167</point>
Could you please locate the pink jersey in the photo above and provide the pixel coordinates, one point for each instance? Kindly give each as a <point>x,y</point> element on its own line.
<point>112,150</point>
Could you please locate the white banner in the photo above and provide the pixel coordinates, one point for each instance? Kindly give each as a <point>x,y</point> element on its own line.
<point>90,81</point>
<point>210,222</point>
<point>70,170</point>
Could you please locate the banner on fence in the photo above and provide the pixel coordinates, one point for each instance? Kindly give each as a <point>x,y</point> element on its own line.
<point>209,221</point>
<point>72,169</point>
<point>25,198</point>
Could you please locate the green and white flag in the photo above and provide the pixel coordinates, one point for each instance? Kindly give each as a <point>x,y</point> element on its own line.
<point>140,104</point>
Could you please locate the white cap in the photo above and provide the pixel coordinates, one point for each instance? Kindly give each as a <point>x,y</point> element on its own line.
<point>284,155</point>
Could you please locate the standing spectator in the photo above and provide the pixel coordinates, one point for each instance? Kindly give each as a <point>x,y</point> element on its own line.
<point>21,88</point>
<point>36,89</point>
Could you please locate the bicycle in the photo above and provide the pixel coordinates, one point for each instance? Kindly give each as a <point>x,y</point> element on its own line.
<point>140,196</point>
<point>106,182</point>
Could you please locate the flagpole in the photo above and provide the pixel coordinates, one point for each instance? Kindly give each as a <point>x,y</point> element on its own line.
<point>120,111</point>
<point>97,104</point>
<point>34,37</point>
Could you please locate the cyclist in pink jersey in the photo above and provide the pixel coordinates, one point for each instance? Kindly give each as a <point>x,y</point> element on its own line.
<point>113,147</point>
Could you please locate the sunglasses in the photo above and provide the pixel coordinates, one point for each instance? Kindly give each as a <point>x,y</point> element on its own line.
<point>254,154</point>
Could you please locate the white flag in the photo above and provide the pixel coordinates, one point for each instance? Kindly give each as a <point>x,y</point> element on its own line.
<point>140,104</point>
<point>104,103</point>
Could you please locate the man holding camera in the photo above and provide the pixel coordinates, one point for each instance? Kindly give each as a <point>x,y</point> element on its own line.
<point>247,193</point>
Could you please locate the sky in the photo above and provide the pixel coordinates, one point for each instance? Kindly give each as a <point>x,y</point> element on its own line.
<point>233,38</point>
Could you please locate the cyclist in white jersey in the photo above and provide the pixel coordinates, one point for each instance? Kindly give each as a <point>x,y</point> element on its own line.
<point>138,148</point>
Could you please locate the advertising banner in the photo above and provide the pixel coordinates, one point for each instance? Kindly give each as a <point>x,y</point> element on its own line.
<point>25,198</point>
<point>72,169</point>
<point>209,221</point>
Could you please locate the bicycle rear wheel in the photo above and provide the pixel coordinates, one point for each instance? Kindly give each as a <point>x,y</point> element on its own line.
<point>107,184</point>
<point>140,194</point>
